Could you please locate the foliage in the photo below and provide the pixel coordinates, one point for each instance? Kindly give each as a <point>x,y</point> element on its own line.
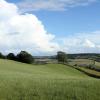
<point>25,57</point>
<point>2,56</point>
<point>11,56</point>
<point>61,56</point>
<point>93,56</point>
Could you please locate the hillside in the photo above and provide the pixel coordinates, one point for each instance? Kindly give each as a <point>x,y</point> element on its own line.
<point>19,81</point>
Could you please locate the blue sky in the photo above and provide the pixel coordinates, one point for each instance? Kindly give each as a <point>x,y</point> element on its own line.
<point>76,21</point>
<point>72,20</point>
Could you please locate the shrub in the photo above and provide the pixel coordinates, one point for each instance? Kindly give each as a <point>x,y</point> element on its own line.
<point>11,56</point>
<point>25,57</point>
<point>2,56</point>
<point>61,56</point>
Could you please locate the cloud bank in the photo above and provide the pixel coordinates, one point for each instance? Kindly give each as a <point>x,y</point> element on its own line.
<point>52,5</point>
<point>23,32</point>
<point>26,32</point>
<point>83,42</point>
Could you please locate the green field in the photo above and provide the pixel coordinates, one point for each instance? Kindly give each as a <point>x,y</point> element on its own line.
<point>97,64</point>
<point>90,71</point>
<point>20,81</point>
<point>80,61</point>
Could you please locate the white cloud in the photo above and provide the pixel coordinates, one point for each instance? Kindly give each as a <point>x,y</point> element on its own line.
<point>23,32</point>
<point>26,32</point>
<point>53,5</point>
<point>89,44</point>
<point>83,42</point>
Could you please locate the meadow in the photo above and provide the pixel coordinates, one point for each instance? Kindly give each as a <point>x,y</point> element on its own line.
<point>81,62</point>
<point>97,64</point>
<point>19,81</point>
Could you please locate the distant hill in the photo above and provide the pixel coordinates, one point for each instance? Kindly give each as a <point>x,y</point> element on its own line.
<point>94,56</point>
<point>84,55</point>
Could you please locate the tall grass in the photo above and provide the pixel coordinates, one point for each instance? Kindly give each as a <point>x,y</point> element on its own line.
<point>20,81</point>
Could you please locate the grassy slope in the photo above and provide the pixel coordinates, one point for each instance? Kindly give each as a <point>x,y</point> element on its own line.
<point>97,64</point>
<point>81,61</point>
<point>45,82</point>
<point>90,72</point>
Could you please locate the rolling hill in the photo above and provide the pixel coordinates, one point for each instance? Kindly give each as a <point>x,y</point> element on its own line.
<point>19,81</point>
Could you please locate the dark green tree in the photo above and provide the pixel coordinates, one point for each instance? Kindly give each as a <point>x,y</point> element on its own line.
<point>61,57</point>
<point>11,56</point>
<point>25,57</point>
<point>2,56</point>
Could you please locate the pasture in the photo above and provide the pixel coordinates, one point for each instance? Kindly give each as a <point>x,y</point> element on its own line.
<point>80,62</point>
<point>19,81</point>
<point>97,64</point>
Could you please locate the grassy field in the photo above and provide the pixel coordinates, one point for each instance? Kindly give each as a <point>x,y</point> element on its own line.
<point>80,61</point>
<point>20,81</point>
<point>97,64</point>
<point>90,71</point>
<point>84,62</point>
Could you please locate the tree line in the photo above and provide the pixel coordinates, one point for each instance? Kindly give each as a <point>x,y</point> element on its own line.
<point>26,57</point>
<point>23,56</point>
<point>62,57</point>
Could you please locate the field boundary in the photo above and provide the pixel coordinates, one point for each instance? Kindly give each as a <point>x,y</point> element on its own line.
<point>89,74</point>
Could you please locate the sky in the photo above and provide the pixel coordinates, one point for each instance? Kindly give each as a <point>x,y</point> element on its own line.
<point>43,27</point>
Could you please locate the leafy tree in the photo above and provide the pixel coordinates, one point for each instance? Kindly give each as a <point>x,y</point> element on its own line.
<point>61,56</point>
<point>2,56</point>
<point>25,57</point>
<point>11,56</point>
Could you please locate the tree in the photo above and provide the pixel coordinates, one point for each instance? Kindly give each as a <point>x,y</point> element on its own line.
<point>25,57</point>
<point>2,56</point>
<point>61,56</point>
<point>11,56</point>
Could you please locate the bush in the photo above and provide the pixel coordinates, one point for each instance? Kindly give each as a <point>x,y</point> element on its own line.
<point>25,57</point>
<point>61,56</point>
<point>11,56</point>
<point>2,56</point>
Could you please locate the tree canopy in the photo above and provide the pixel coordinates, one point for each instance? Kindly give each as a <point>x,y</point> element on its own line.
<point>61,56</point>
<point>25,57</point>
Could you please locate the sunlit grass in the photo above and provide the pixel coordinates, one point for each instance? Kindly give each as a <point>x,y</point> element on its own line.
<point>20,81</point>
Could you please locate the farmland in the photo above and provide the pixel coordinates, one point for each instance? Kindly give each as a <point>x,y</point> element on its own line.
<point>97,64</point>
<point>87,66</point>
<point>80,62</point>
<point>19,81</point>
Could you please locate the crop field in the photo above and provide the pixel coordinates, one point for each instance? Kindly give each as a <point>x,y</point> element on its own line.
<point>81,61</point>
<point>90,71</point>
<point>19,81</point>
<point>97,64</point>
